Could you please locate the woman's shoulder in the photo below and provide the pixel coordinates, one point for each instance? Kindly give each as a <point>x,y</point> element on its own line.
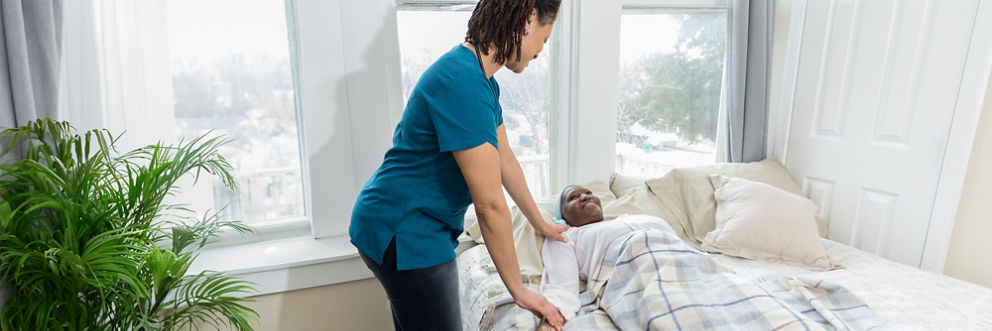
<point>456,69</point>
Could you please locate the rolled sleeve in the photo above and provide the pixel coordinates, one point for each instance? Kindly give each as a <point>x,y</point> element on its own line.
<point>560,281</point>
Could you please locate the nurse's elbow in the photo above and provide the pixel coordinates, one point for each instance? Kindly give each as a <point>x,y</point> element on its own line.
<point>491,210</point>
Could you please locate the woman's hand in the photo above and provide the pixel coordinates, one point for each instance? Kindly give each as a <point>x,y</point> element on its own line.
<point>545,326</point>
<point>540,307</point>
<point>553,231</point>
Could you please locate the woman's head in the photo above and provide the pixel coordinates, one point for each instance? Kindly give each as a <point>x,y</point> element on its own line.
<point>579,206</point>
<point>515,30</point>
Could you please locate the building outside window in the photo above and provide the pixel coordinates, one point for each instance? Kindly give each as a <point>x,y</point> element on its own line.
<point>231,74</point>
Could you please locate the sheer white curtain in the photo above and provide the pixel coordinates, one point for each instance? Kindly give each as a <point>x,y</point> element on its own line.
<point>80,100</point>
<point>115,75</point>
<point>137,87</point>
<point>116,70</point>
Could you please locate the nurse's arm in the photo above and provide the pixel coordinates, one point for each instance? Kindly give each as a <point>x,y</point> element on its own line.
<point>481,168</point>
<point>515,184</point>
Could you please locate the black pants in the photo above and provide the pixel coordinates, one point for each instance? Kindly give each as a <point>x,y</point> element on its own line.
<point>421,299</point>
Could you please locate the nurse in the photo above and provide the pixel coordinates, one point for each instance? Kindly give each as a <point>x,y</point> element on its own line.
<point>450,150</point>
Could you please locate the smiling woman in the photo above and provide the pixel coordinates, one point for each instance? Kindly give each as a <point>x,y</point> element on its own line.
<point>577,206</point>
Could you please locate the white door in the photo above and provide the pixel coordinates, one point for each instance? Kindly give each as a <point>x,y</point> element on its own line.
<point>875,90</point>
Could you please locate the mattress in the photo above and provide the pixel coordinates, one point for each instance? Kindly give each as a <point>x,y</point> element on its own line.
<point>900,297</point>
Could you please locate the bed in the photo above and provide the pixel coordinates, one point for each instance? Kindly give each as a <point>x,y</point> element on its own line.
<point>897,296</point>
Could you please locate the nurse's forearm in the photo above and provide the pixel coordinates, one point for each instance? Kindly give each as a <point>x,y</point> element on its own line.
<point>481,167</point>
<point>494,221</point>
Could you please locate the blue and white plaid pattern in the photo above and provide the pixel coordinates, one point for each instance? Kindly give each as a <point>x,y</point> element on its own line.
<point>652,280</point>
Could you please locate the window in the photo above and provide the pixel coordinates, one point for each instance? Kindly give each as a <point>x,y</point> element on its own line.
<point>671,73</point>
<point>427,33</point>
<point>231,74</point>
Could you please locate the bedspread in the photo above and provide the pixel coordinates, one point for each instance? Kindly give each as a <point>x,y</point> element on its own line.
<point>653,280</point>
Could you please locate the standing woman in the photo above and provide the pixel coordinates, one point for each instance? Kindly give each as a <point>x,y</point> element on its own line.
<point>450,150</point>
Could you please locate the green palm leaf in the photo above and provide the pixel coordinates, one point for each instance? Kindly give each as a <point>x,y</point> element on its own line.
<point>80,227</point>
<point>214,299</point>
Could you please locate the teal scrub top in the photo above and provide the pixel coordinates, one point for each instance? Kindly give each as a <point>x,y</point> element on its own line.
<point>419,196</point>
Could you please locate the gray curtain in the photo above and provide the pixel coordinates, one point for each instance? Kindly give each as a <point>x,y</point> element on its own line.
<point>747,100</point>
<point>30,45</point>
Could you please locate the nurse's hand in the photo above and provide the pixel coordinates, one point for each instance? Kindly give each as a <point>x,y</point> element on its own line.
<point>554,231</point>
<point>540,307</point>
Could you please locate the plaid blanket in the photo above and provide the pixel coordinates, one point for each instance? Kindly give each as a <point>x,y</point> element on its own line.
<point>652,280</point>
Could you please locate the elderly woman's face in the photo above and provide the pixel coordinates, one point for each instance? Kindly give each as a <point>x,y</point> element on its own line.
<point>580,207</point>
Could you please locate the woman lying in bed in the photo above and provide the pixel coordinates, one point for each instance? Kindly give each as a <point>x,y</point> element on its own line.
<point>565,263</point>
<point>654,280</point>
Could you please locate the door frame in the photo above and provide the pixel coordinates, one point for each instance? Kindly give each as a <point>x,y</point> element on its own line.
<point>964,126</point>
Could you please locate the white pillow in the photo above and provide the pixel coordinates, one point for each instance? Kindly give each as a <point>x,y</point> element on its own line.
<point>761,222</point>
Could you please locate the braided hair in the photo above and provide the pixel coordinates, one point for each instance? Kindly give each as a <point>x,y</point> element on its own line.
<point>500,24</point>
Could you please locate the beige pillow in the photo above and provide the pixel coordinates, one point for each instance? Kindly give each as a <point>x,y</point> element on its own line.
<point>621,185</point>
<point>760,222</point>
<point>696,191</point>
<point>635,197</point>
<point>527,242</point>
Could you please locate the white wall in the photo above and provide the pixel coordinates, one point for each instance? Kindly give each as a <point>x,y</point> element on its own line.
<point>969,256</point>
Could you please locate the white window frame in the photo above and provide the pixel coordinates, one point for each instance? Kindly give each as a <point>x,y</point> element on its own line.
<point>734,63</point>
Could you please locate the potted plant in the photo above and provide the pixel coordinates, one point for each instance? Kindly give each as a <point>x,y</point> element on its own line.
<point>87,240</point>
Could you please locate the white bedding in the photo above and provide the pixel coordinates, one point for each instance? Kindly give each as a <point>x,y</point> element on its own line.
<point>900,297</point>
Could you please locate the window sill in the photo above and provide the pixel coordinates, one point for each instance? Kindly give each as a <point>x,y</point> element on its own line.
<point>293,263</point>
<point>287,264</point>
